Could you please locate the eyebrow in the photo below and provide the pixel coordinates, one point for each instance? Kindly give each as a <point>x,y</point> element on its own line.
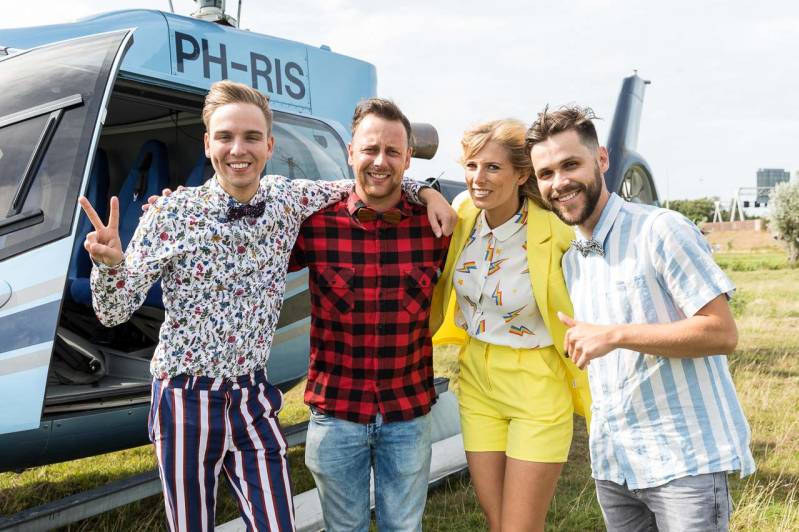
<point>561,162</point>
<point>248,132</point>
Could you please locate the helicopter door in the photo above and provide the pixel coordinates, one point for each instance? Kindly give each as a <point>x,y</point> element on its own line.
<point>51,108</point>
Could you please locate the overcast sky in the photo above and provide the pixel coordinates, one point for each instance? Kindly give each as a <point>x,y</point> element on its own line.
<point>725,74</point>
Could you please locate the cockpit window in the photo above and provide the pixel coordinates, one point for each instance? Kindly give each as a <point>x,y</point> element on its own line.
<point>307,149</point>
<point>17,142</point>
<point>48,113</point>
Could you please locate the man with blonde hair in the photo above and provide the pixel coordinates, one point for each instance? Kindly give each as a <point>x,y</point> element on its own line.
<point>222,251</point>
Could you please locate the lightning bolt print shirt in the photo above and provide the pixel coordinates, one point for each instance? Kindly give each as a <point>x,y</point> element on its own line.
<point>492,285</point>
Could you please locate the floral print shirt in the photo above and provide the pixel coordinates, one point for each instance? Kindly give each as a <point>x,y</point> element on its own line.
<point>223,281</point>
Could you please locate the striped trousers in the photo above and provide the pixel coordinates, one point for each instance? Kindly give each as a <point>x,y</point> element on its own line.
<point>201,426</point>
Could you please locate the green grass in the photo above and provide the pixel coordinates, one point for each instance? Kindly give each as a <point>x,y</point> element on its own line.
<point>765,368</point>
<point>748,262</point>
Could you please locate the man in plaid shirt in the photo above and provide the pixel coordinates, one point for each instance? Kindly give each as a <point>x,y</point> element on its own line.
<point>373,261</point>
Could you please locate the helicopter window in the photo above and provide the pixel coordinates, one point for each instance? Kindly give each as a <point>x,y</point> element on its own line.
<point>307,149</point>
<point>48,115</point>
<point>17,143</point>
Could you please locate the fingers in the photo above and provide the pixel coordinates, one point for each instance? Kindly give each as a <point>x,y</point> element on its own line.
<point>94,218</point>
<point>113,217</point>
<point>567,320</point>
<point>449,222</point>
<point>91,238</point>
<point>432,216</point>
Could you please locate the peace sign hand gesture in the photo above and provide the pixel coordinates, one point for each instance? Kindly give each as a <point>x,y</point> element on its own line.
<point>103,244</point>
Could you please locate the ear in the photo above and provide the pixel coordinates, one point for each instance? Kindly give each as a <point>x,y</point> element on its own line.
<point>207,144</point>
<point>604,160</point>
<point>408,158</point>
<point>349,154</point>
<point>523,179</point>
<point>270,146</point>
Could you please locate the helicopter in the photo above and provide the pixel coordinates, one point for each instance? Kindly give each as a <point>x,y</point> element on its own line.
<point>111,105</point>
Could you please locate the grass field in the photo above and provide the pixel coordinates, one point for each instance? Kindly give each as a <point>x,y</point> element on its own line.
<point>766,372</point>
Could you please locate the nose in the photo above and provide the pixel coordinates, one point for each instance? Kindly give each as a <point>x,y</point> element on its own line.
<point>477,175</point>
<point>379,159</point>
<point>559,180</point>
<point>237,147</point>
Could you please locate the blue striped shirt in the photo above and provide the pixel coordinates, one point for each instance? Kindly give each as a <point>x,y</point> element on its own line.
<point>655,418</point>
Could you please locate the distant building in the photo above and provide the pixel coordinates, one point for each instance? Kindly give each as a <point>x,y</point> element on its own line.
<point>767,179</point>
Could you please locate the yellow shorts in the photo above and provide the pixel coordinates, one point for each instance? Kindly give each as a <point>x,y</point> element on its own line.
<point>516,401</point>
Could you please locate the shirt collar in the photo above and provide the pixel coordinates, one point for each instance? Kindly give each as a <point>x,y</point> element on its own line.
<point>507,229</point>
<point>353,199</point>
<point>606,219</point>
<point>225,200</point>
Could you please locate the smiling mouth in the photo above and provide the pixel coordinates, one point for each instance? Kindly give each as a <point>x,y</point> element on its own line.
<point>239,166</point>
<point>480,192</point>
<point>378,176</point>
<point>563,198</point>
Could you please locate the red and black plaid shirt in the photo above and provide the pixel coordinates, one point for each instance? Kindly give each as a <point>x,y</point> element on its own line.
<point>371,285</point>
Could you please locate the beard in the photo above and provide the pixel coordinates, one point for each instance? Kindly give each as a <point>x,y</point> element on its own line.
<point>592,193</point>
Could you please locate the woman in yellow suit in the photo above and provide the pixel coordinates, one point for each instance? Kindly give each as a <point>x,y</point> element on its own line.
<point>502,287</point>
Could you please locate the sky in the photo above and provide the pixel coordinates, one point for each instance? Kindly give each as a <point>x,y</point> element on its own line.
<point>725,74</point>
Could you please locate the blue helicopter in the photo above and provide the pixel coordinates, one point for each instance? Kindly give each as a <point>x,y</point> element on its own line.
<point>110,105</point>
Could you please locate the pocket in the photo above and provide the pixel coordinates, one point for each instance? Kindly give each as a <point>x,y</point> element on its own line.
<point>630,300</point>
<point>273,397</point>
<point>335,289</point>
<point>156,393</point>
<point>418,284</point>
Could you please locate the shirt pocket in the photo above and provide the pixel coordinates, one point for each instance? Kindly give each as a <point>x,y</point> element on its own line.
<point>631,300</point>
<point>335,289</point>
<point>418,284</point>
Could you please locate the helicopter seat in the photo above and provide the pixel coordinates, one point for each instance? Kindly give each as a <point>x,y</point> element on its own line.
<point>148,176</point>
<point>201,172</point>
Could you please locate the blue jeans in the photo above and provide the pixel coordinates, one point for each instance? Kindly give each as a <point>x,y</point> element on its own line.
<point>699,503</point>
<point>340,455</point>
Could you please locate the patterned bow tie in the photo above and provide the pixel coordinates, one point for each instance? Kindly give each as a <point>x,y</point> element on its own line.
<point>365,214</point>
<point>237,212</point>
<point>588,246</point>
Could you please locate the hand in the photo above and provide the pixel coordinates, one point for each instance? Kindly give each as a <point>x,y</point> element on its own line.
<point>103,244</point>
<point>441,215</point>
<point>152,199</point>
<point>585,341</point>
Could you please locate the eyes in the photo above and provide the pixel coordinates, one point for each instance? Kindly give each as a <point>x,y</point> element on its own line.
<point>491,167</point>
<point>566,166</point>
<point>374,150</point>
<point>225,136</point>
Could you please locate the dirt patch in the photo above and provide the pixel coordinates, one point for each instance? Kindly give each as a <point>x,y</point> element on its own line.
<point>761,241</point>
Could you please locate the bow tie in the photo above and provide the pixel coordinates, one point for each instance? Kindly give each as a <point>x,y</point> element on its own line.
<point>588,246</point>
<point>237,212</point>
<point>365,214</point>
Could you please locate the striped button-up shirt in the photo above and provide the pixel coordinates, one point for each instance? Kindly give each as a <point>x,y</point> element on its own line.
<point>655,418</point>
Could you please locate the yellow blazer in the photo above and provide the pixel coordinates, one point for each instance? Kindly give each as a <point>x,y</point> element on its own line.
<point>547,240</point>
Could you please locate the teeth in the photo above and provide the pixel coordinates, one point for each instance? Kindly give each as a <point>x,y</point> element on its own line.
<point>239,166</point>
<point>480,193</point>
<point>567,197</point>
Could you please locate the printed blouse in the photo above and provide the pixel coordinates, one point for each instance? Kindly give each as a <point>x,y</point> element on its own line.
<point>492,286</point>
